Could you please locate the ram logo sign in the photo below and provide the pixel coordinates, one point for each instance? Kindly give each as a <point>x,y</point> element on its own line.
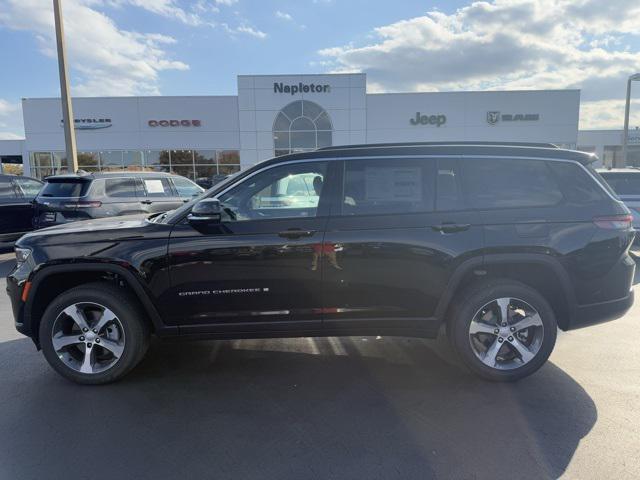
<point>494,117</point>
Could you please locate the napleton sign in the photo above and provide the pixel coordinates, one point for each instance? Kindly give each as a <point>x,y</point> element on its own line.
<point>174,123</point>
<point>279,87</point>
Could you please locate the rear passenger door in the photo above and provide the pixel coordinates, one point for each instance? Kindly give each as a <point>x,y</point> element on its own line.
<point>160,195</point>
<point>399,230</point>
<point>124,196</point>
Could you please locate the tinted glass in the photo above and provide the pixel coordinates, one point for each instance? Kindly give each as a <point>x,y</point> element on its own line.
<point>120,187</point>
<point>395,186</point>
<point>29,187</point>
<point>578,187</point>
<point>288,191</point>
<point>623,183</point>
<point>449,186</point>
<point>65,188</point>
<point>158,187</point>
<point>510,183</point>
<point>7,191</point>
<point>186,188</point>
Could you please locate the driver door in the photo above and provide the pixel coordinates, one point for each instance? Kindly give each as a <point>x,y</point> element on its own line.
<point>260,267</point>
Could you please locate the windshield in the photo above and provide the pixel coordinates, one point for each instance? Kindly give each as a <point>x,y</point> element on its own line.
<point>66,188</point>
<point>173,215</point>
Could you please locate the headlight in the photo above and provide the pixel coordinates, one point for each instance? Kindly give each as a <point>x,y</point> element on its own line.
<point>22,254</point>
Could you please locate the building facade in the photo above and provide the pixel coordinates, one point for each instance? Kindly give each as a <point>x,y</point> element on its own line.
<point>277,114</point>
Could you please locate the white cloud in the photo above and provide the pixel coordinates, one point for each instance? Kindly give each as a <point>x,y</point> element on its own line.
<point>105,59</point>
<point>507,44</point>
<point>228,3</point>
<point>244,29</point>
<point>284,16</point>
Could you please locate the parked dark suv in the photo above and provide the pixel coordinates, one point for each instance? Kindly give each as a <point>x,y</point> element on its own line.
<point>500,244</point>
<point>16,210</point>
<point>69,198</point>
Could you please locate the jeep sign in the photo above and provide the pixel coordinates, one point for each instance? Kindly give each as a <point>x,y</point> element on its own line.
<point>279,87</point>
<point>436,120</point>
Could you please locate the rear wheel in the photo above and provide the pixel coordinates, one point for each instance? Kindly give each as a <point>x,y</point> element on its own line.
<point>502,330</point>
<point>93,334</point>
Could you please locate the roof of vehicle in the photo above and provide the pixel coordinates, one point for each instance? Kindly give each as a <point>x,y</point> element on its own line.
<point>500,149</point>
<point>95,175</point>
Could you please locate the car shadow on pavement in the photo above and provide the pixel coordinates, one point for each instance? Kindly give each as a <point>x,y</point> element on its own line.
<point>348,408</point>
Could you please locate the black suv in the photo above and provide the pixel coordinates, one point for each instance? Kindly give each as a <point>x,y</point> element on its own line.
<point>69,198</point>
<point>498,244</point>
<point>16,209</point>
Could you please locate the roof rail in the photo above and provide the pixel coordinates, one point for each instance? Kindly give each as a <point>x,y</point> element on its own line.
<point>453,143</point>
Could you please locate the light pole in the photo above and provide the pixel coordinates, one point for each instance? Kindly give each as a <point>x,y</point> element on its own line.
<point>625,137</point>
<point>67,110</point>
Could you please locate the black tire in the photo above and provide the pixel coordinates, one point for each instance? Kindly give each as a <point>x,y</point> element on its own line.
<point>470,301</point>
<point>131,318</point>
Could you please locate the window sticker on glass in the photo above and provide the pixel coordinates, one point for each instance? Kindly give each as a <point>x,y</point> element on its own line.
<point>393,184</point>
<point>154,186</point>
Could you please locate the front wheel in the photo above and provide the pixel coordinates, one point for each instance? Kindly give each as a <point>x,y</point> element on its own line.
<point>502,330</point>
<point>93,334</point>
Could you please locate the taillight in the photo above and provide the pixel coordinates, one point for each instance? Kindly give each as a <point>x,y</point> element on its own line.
<point>614,222</point>
<point>82,205</point>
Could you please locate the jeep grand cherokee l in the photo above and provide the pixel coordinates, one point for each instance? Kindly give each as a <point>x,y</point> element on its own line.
<point>499,244</point>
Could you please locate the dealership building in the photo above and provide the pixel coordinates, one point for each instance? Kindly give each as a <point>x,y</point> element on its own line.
<point>199,136</point>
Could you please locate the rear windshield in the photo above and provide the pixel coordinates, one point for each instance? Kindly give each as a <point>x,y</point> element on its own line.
<point>623,183</point>
<point>65,188</point>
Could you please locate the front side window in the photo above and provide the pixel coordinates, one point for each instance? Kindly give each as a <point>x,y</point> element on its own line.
<point>389,186</point>
<point>287,191</point>
<point>186,188</point>
<point>158,187</point>
<point>510,183</point>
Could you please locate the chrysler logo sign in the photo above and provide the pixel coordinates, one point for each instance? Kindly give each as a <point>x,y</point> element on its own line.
<point>436,120</point>
<point>90,123</point>
<point>279,87</point>
<point>174,123</point>
<point>494,117</point>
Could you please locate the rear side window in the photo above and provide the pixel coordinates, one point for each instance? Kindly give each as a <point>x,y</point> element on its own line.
<point>65,188</point>
<point>120,187</point>
<point>7,191</point>
<point>577,185</point>
<point>389,186</point>
<point>510,183</point>
<point>158,187</point>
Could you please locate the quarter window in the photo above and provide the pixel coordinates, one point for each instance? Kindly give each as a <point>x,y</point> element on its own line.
<point>374,187</point>
<point>186,188</point>
<point>29,187</point>
<point>7,190</point>
<point>510,183</point>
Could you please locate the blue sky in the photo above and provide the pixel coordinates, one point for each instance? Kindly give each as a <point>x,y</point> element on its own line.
<point>196,47</point>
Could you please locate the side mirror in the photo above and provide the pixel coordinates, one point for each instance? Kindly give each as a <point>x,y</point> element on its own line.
<point>207,211</point>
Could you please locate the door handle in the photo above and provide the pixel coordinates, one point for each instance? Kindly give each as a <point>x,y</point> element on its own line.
<point>296,233</point>
<point>146,202</point>
<point>451,227</point>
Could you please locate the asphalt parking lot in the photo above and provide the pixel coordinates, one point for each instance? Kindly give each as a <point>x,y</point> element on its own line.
<point>350,408</point>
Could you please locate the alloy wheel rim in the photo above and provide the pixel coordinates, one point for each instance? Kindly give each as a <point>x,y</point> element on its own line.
<point>506,333</point>
<point>88,337</point>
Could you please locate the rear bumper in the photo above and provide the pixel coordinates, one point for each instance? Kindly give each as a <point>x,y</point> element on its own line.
<point>595,313</point>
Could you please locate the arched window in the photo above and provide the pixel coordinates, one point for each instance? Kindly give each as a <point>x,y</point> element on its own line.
<point>301,126</point>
